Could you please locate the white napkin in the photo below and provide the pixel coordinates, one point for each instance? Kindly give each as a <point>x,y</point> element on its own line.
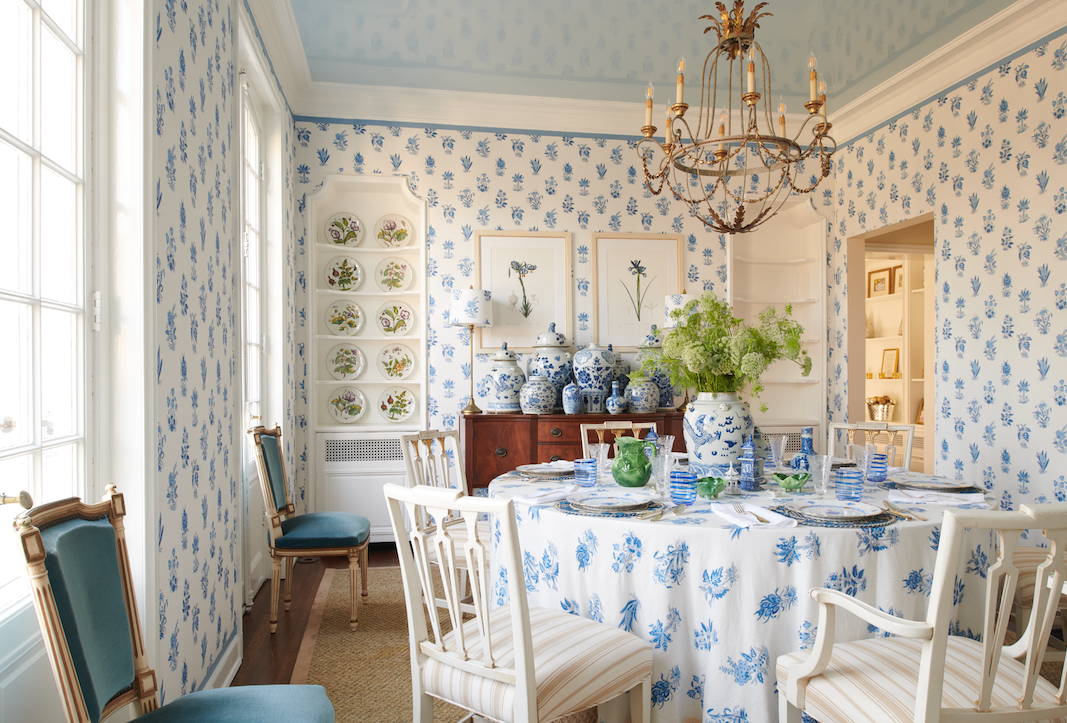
<point>547,496</point>
<point>774,520</point>
<point>945,499</point>
<point>560,465</point>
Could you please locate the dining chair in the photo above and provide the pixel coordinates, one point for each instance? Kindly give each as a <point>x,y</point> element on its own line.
<point>616,428</point>
<point>924,673</point>
<point>323,534</point>
<point>1028,559</point>
<point>433,458</point>
<point>870,432</point>
<point>79,571</point>
<point>506,661</point>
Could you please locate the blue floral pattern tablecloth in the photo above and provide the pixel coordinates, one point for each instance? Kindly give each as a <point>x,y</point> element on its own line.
<point>720,603</point>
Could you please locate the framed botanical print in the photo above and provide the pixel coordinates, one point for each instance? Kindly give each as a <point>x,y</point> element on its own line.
<point>528,274</point>
<point>879,283</point>
<point>898,280</point>
<point>633,273</point>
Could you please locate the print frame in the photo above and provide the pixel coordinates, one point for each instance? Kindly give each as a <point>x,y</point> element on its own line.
<point>524,302</point>
<point>898,279</point>
<point>623,313</point>
<point>879,282</point>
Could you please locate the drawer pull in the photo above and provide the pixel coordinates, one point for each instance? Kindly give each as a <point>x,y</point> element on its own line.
<point>555,458</point>
<point>501,452</point>
<point>556,432</point>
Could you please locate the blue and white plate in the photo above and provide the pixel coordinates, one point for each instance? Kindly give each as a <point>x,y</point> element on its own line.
<point>914,481</point>
<point>611,499</point>
<point>547,469</point>
<point>840,510</point>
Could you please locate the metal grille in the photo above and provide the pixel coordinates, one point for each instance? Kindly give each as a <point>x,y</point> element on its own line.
<point>364,450</point>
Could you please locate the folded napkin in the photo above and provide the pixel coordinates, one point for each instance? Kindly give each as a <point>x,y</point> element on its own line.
<point>560,465</point>
<point>946,499</point>
<point>547,496</point>
<point>774,520</point>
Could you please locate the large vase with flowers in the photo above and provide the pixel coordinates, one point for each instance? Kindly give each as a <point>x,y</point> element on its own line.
<point>723,357</point>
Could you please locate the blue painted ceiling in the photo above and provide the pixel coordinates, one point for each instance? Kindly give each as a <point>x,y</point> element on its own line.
<point>610,49</point>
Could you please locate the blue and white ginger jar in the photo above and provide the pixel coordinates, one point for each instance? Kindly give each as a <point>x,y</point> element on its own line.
<point>594,369</point>
<point>715,426</point>
<point>642,395</point>
<point>537,396</point>
<point>504,381</point>
<point>552,360</point>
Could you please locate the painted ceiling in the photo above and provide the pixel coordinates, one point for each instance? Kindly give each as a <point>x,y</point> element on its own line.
<point>610,49</point>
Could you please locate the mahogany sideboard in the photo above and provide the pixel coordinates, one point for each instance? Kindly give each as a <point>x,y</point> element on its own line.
<point>497,443</point>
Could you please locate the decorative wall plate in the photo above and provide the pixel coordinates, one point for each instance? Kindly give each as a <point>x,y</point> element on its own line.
<point>393,274</point>
<point>344,229</point>
<point>397,404</point>
<point>347,404</point>
<point>395,318</point>
<point>345,361</point>
<point>344,318</point>
<point>344,274</point>
<point>393,231</point>
<point>396,361</point>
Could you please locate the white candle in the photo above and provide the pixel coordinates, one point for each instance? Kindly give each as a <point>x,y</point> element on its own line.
<point>650,92</point>
<point>751,70</point>
<point>813,64</point>
<point>781,117</point>
<point>681,79</point>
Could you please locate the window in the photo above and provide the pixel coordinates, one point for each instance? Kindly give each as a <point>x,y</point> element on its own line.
<point>42,276</point>
<point>252,241</point>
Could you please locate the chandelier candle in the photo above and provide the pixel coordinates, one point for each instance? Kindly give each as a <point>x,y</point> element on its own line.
<point>814,78</point>
<point>681,79</point>
<point>649,94</point>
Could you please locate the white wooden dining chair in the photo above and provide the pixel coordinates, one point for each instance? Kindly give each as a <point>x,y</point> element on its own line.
<point>1028,559</point>
<point>871,432</point>
<point>512,662</point>
<point>616,429</point>
<point>922,672</point>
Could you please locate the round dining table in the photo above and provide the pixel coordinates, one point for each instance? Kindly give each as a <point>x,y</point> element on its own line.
<point>720,598</point>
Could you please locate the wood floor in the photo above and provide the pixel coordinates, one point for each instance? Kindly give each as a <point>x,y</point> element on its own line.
<point>269,659</point>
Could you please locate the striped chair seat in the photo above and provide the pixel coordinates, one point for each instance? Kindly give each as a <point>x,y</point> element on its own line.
<point>1027,559</point>
<point>578,663</point>
<point>877,680</point>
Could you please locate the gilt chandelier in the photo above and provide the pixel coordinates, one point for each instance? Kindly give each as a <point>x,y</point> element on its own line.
<point>734,180</point>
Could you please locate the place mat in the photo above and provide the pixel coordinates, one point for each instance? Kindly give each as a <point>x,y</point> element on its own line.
<point>883,519</point>
<point>566,506</point>
<point>569,478</point>
<point>890,485</point>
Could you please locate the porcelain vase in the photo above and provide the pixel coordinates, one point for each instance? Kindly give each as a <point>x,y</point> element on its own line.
<point>571,398</point>
<point>551,359</point>
<point>800,461</point>
<point>537,396</point>
<point>715,426</point>
<point>505,379</point>
<point>616,403</point>
<point>594,368</point>
<point>642,396</point>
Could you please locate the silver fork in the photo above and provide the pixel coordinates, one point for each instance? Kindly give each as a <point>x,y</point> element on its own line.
<point>739,509</point>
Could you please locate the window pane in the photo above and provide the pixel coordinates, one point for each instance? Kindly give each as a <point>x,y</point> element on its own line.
<point>252,262</point>
<point>59,239</point>
<point>60,364</point>
<point>252,375</point>
<point>16,475</point>
<point>17,388</point>
<point>16,192</point>
<point>59,110</point>
<point>59,472</point>
<point>251,199</point>
<point>64,13</point>
<point>252,315</point>
<point>16,34</point>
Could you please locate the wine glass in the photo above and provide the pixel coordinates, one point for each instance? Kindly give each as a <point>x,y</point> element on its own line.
<point>778,444</point>
<point>820,464</point>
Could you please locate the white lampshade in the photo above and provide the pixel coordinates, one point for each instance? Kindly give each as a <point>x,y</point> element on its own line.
<point>470,307</point>
<point>672,302</point>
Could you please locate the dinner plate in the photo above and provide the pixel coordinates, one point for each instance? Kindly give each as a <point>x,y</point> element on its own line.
<point>344,229</point>
<point>396,361</point>
<point>837,510</point>
<point>546,469</point>
<point>931,484</point>
<point>345,361</point>
<point>343,318</point>
<point>347,404</point>
<point>396,404</point>
<point>392,231</point>
<point>611,499</point>
<point>395,318</point>
<point>343,274</point>
<point>393,274</point>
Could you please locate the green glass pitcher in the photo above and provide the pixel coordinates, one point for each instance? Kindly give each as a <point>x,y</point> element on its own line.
<point>632,466</point>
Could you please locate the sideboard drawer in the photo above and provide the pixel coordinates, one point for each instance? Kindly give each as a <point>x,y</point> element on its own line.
<point>499,445</point>
<point>552,452</point>
<point>556,430</point>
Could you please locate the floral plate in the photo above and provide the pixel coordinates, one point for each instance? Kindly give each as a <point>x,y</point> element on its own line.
<point>347,404</point>
<point>392,231</point>
<point>393,274</point>
<point>344,229</point>
<point>396,361</point>
<point>911,481</point>
<point>344,318</point>
<point>614,499</point>
<point>840,510</point>
<point>395,318</point>
<point>397,404</point>
<point>345,361</point>
<point>344,274</point>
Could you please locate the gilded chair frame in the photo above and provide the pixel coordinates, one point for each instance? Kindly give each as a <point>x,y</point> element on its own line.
<point>868,431</point>
<point>617,428</point>
<point>276,514</point>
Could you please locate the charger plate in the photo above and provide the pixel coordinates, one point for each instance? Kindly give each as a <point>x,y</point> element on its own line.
<point>566,506</point>
<point>837,510</point>
<point>611,499</point>
<point>890,485</point>
<point>546,469</point>
<point>931,484</point>
<point>882,519</point>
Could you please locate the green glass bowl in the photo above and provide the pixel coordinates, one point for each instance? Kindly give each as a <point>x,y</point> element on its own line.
<point>710,487</point>
<point>791,482</point>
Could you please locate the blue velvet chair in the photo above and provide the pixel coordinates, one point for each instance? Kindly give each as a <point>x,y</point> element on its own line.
<point>79,570</point>
<point>313,534</point>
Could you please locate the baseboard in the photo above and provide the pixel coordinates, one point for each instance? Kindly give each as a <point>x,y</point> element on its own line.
<point>228,664</point>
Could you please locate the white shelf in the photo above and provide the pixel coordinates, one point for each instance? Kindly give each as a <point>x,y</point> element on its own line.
<point>365,249</point>
<point>887,297</point>
<point>885,338</point>
<point>740,300</point>
<point>788,262</point>
<point>804,380</point>
<point>917,291</point>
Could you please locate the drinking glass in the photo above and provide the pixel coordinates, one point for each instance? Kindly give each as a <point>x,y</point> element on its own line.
<point>599,452</point>
<point>777,444</point>
<point>821,465</point>
<point>848,484</point>
<point>585,472</point>
<point>683,487</point>
<point>876,468</point>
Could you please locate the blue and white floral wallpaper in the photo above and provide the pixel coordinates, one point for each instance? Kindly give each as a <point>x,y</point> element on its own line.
<point>987,157</point>
<point>197,258</point>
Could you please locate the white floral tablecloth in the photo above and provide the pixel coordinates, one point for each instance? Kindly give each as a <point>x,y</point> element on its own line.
<point>720,603</point>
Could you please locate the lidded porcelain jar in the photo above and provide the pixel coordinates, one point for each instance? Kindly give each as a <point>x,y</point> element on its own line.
<point>504,381</point>
<point>642,394</point>
<point>552,360</point>
<point>537,396</point>
<point>594,368</point>
<point>650,347</point>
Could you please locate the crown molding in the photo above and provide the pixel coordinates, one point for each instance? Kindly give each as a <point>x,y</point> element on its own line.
<point>1009,31</point>
<point>277,29</point>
